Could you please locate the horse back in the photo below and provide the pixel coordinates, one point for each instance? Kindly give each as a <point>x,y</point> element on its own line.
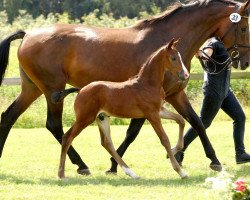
<point>81,54</point>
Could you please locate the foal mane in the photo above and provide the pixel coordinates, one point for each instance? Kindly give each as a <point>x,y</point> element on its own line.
<point>177,7</point>
<point>152,59</point>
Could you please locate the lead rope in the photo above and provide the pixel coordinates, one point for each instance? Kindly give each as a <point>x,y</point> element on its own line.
<point>226,64</point>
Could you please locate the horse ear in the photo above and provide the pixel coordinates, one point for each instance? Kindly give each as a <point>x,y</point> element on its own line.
<point>245,6</point>
<point>170,44</point>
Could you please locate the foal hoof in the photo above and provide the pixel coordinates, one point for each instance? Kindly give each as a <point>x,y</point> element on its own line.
<point>109,172</point>
<point>216,167</point>
<point>183,175</point>
<point>83,171</point>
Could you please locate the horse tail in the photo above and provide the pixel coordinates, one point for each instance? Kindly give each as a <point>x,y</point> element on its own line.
<point>4,51</point>
<point>58,97</point>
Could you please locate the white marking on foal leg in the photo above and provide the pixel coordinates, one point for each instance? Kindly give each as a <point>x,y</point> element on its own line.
<point>183,174</point>
<point>130,172</point>
<point>174,150</point>
<point>103,123</point>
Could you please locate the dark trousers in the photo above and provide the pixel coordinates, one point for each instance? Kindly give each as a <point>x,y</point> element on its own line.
<point>210,107</point>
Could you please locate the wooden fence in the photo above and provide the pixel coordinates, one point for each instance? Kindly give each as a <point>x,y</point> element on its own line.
<point>234,75</point>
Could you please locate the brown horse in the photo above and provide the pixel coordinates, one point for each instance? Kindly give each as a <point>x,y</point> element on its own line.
<point>76,54</point>
<point>100,99</point>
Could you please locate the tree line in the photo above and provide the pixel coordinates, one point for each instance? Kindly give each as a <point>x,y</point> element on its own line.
<point>78,8</point>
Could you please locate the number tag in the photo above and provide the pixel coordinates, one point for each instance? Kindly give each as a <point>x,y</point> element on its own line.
<point>235,17</point>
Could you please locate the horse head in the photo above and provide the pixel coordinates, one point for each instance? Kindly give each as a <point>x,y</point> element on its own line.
<point>234,32</point>
<point>174,62</point>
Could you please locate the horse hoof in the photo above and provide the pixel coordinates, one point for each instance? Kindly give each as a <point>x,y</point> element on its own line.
<point>61,176</point>
<point>216,167</point>
<point>83,171</point>
<point>109,172</point>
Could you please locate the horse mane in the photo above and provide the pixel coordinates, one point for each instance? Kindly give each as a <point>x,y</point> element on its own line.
<point>177,7</point>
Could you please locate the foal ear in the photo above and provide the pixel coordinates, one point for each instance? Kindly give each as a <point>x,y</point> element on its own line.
<point>176,42</point>
<point>170,44</point>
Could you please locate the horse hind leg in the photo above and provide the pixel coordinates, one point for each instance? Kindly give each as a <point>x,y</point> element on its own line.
<point>29,93</point>
<point>165,114</point>
<point>106,141</point>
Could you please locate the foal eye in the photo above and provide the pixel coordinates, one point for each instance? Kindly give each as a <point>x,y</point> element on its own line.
<point>173,58</point>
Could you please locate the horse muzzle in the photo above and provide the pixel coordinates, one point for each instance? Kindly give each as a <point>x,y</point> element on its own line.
<point>238,64</point>
<point>183,75</point>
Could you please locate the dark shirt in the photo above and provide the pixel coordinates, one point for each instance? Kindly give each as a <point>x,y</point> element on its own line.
<point>217,77</point>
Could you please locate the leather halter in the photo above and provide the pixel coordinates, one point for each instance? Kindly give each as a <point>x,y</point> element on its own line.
<point>235,53</point>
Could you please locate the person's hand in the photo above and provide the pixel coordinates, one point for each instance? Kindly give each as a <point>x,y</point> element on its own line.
<point>199,54</point>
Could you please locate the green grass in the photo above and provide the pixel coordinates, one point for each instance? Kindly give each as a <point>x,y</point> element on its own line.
<point>29,163</point>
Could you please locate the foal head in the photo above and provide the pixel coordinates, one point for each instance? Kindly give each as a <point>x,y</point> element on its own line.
<point>173,61</point>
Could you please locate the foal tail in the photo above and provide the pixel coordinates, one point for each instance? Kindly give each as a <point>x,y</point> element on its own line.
<point>4,51</point>
<point>58,97</point>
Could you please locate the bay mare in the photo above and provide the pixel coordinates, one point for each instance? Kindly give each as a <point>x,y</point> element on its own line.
<point>78,55</point>
<point>101,99</point>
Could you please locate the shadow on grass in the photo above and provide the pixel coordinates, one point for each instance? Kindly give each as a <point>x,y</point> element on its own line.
<point>112,180</point>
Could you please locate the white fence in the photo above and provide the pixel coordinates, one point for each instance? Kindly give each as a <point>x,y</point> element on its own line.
<point>234,75</point>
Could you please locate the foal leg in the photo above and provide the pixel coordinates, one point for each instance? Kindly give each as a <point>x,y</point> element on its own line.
<point>66,142</point>
<point>132,132</point>
<point>54,125</point>
<point>156,123</point>
<point>106,141</point>
<point>182,105</point>
<point>165,114</point>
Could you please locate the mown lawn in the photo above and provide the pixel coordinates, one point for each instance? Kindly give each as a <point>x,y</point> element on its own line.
<point>28,167</point>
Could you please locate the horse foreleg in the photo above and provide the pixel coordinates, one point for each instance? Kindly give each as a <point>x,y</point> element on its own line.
<point>156,123</point>
<point>106,141</point>
<point>28,95</point>
<point>54,125</point>
<point>182,105</point>
<point>132,132</point>
<point>165,114</point>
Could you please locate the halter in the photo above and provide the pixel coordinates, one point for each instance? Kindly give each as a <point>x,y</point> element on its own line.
<point>235,55</point>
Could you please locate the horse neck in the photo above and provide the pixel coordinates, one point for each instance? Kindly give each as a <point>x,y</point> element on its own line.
<point>193,25</point>
<point>152,73</point>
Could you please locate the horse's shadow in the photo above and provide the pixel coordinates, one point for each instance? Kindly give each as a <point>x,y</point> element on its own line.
<point>119,180</point>
<point>105,179</point>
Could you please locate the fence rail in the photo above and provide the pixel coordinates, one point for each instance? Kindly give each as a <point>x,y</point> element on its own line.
<point>193,76</point>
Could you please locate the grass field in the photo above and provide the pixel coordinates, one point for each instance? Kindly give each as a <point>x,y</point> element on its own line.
<point>28,167</point>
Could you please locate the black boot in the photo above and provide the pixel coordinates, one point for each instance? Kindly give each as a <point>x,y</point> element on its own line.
<point>242,158</point>
<point>179,156</point>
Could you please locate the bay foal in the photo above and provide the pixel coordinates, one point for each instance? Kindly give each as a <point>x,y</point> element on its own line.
<point>140,96</point>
